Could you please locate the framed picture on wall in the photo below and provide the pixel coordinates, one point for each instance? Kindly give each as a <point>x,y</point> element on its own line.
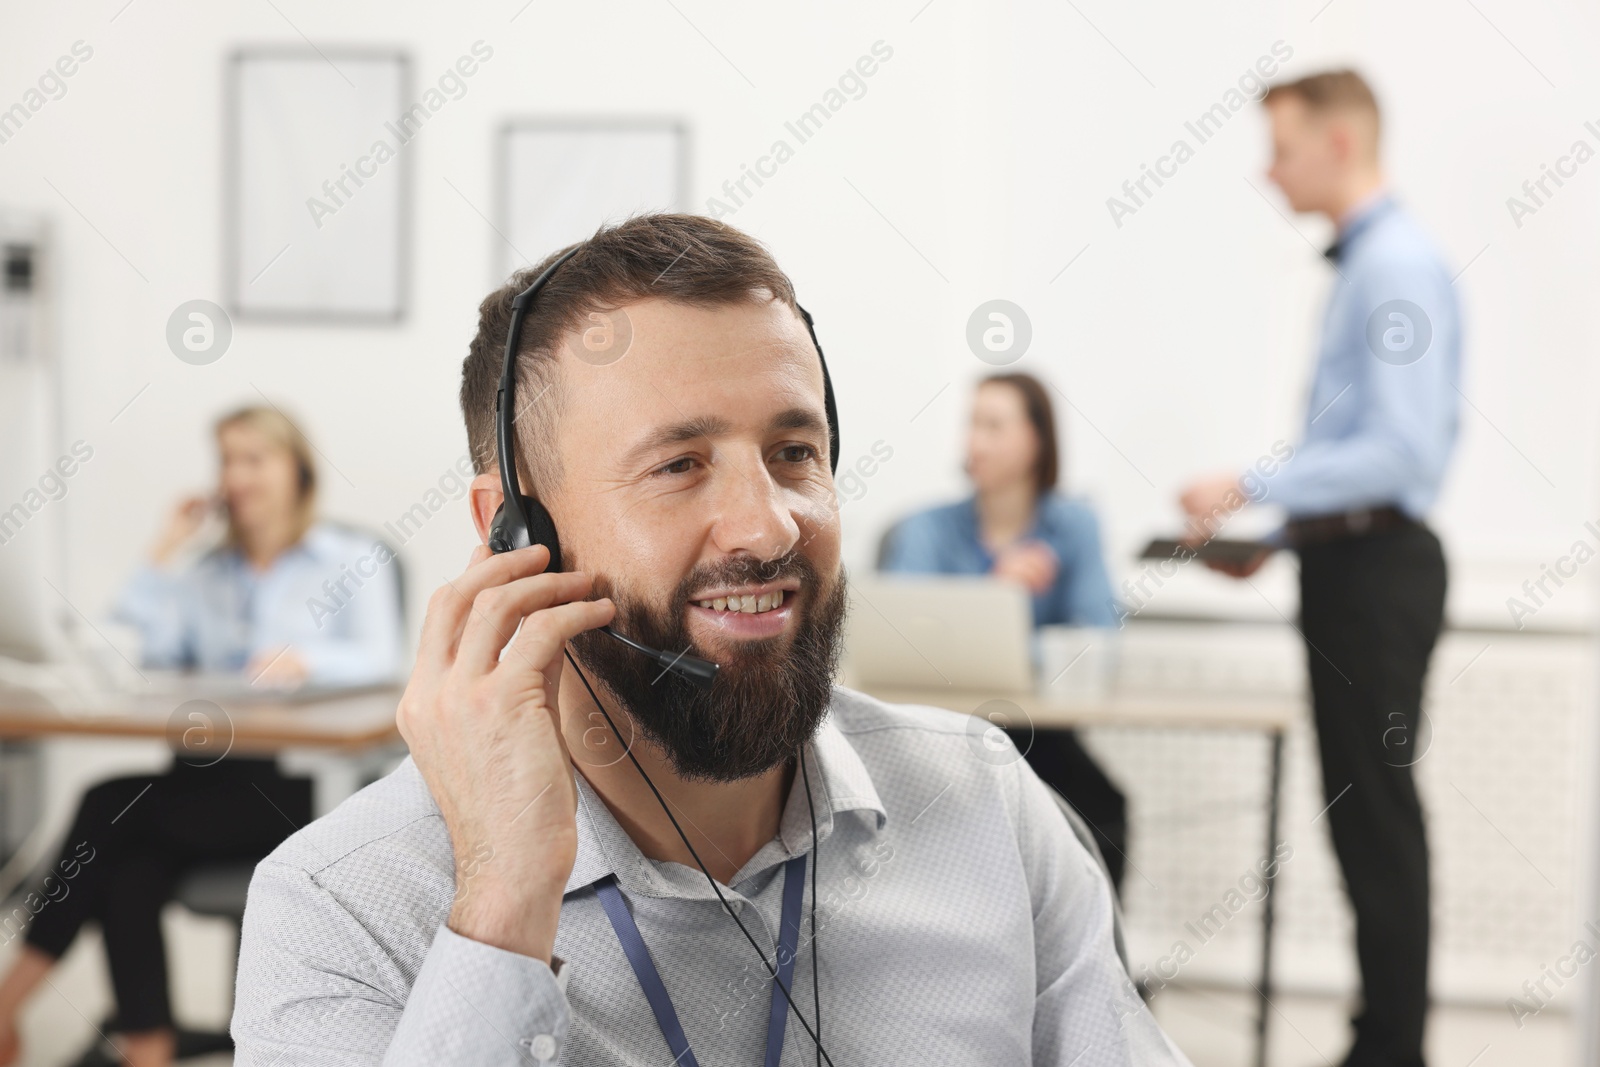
<point>561,179</point>
<point>318,183</point>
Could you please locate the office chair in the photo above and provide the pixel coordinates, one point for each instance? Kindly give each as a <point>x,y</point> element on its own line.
<point>395,561</point>
<point>885,539</point>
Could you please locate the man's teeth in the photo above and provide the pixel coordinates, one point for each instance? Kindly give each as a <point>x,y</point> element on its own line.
<point>749,605</point>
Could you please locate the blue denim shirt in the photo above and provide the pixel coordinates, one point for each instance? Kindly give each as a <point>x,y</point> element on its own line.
<point>945,540</point>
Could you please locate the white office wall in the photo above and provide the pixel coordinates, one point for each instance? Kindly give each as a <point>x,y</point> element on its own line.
<point>976,165</point>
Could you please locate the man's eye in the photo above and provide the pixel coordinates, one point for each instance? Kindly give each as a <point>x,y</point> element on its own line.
<point>798,453</point>
<point>677,466</point>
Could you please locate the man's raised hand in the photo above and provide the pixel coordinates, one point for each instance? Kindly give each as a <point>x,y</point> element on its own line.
<point>481,716</point>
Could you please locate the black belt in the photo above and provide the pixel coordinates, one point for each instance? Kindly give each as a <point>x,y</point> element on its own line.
<point>1316,529</point>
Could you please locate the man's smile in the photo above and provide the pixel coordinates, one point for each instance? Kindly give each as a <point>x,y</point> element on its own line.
<point>747,612</point>
<point>749,602</point>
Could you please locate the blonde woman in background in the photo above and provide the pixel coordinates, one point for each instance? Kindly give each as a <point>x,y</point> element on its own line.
<point>248,606</point>
<point>258,604</point>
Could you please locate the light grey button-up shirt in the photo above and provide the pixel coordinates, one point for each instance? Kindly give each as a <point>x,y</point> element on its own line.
<point>959,921</point>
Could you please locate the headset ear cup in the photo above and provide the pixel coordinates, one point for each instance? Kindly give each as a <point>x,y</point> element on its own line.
<point>505,532</point>
<point>542,531</point>
<point>525,523</point>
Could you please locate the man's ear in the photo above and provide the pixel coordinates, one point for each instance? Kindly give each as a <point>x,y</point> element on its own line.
<point>485,497</point>
<point>1343,136</point>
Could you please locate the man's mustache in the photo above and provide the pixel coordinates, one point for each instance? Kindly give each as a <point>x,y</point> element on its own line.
<point>741,571</point>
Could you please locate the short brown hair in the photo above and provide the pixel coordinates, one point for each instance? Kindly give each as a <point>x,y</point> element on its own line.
<point>1331,90</point>
<point>687,258</point>
<point>1042,417</point>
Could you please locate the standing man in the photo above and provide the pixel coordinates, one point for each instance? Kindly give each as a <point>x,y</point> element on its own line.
<point>1380,427</point>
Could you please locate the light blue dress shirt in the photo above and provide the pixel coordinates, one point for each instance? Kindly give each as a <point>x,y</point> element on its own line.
<point>945,540</point>
<point>331,597</point>
<point>1383,412</point>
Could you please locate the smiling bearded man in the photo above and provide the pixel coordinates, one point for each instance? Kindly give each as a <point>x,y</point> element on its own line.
<point>519,891</point>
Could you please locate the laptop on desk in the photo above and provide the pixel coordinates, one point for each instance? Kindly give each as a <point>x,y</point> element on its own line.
<point>910,633</point>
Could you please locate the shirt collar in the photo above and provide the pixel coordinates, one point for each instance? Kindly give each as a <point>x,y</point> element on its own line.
<point>1357,219</point>
<point>839,784</point>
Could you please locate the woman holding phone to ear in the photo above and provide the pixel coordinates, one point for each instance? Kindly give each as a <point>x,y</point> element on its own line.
<point>1017,527</point>
<point>275,602</point>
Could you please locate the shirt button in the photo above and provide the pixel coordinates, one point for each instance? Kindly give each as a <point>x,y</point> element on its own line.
<point>542,1047</point>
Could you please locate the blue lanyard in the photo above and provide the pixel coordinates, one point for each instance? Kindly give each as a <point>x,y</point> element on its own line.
<point>644,967</point>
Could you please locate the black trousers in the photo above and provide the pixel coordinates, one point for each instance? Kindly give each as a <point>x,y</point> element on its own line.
<point>130,841</point>
<point>1371,608</point>
<point>1060,760</point>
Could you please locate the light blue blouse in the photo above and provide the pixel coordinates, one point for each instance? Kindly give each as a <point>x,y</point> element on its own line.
<point>945,540</point>
<point>334,597</point>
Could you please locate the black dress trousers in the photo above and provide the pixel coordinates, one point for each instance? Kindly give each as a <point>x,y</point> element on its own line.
<point>1371,608</point>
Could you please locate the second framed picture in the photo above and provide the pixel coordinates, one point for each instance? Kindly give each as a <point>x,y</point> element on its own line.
<point>561,179</point>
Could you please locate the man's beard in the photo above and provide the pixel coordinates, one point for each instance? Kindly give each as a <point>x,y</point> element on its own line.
<point>767,700</point>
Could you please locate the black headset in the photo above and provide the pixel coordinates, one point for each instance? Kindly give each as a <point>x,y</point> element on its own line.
<point>522,521</point>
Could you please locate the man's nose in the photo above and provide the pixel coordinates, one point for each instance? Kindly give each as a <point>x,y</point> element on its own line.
<point>752,514</point>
